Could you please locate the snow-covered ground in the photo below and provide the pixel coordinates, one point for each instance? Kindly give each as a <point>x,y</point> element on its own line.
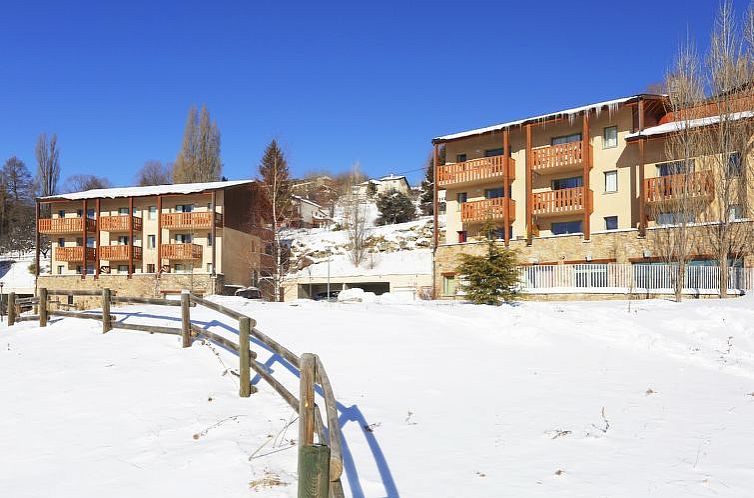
<point>597,399</point>
<point>14,272</point>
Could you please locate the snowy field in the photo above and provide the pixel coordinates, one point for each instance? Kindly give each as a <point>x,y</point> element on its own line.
<point>437,400</point>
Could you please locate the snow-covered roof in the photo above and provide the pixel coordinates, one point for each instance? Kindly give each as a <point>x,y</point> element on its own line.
<point>393,177</point>
<point>597,107</point>
<point>675,126</point>
<point>178,188</point>
<point>302,199</point>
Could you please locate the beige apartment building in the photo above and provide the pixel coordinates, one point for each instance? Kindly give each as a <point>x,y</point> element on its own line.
<point>578,186</point>
<point>156,240</point>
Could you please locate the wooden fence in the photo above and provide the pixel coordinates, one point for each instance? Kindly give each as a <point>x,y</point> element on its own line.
<point>319,465</point>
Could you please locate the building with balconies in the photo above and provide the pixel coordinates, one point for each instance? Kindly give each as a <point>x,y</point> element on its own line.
<point>157,239</point>
<point>581,185</point>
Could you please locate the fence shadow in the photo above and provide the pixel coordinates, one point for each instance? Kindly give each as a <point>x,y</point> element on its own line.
<point>348,414</point>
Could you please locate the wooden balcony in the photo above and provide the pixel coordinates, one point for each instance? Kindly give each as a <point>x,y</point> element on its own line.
<point>487,209</point>
<point>118,253</point>
<point>561,202</point>
<point>197,219</point>
<point>561,157</point>
<point>697,186</point>
<point>54,226</point>
<point>74,254</point>
<point>181,251</point>
<point>475,171</point>
<point>121,223</point>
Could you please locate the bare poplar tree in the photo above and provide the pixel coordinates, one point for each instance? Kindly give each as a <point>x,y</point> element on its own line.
<point>726,143</point>
<point>154,173</point>
<point>354,217</point>
<point>679,196</point>
<point>48,164</point>
<point>199,158</point>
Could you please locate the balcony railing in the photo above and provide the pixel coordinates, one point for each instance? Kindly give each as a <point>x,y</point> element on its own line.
<point>65,225</point>
<point>118,253</point>
<point>474,170</point>
<point>121,223</point>
<point>74,254</point>
<point>563,201</point>
<point>181,251</point>
<point>487,209</point>
<point>694,185</point>
<point>561,156</point>
<point>198,219</point>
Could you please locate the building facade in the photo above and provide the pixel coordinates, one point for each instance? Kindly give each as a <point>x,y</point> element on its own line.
<point>577,186</point>
<point>155,240</point>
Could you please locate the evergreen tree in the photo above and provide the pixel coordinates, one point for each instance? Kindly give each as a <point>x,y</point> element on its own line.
<point>491,278</point>
<point>273,169</point>
<point>395,207</point>
<point>427,196</point>
<point>199,158</point>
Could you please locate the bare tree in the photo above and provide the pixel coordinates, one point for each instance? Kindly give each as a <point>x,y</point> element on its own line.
<point>154,173</point>
<point>199,158</point>
<point>355,217</point>
<point>677,194</point>
<point>79,183</point>
<point>48,164</point>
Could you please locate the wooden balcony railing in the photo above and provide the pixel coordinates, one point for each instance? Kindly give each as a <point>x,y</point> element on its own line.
<point>487,209</point>
<point>121,223</point>
<point>559,156</point>
<point>563,201</point>
<point>181,251</point>
<point>118,253</point>
<point>197,219</point>
<point>65,225</point>
<point>475,169</point>
<point>677,187</point>
<point>74,254</point>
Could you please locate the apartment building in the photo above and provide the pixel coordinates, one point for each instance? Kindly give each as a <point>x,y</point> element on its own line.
<point>576,186</point>
<point>155,240</point>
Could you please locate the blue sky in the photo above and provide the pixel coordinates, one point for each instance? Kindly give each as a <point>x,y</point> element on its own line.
<point>335,82</point>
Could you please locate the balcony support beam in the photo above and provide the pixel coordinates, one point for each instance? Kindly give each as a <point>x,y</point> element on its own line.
<point>529,225</point>
<point>97,239</point>
<point>159,235</point>
<point>84,233</point>
<point>586,160</point>
<point>39,240</point>
<point>435,207</point>
<point>130,236</point>
<point>214,233</point>
<point>506,186</point>
<point>642,193</point>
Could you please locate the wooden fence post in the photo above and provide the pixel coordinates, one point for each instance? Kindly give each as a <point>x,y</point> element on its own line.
<point>43,307</point>
<point>11,308</point>
<point>244,330</point>
<point>106,325</point>
<point>307,368</point>
<point>313,471</point>
<point>186,318</point>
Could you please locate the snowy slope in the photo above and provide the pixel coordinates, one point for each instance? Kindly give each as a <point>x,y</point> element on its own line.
<point>14,272</point>
<point>437,400</point>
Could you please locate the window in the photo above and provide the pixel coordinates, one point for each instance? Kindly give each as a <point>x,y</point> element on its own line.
<point>78,269</point>
<point>122,240</point>
<point>461,198</point>
<point>151,241</point>
<point>735,168</point>
<point>184,208</point>
<point>610,137</point>
<point>61,242</point>
<point>497,233</point>
<point>152,213</point>
<point>562,183</point>
<point>494,193</point>
<point>90,242</point>
<point>460,158</point>
<point>611,181</point>
<point>180,268</point>
<point>493,152</point>
<point>79,241</point>
<point>60,269</point>
<point>61,213</point>
<point>672,218</point>
<point>209,240</point>
<point>123,211</point>
<point>122,268</point>
<point>462,236</point>
<point>675,168</point>
<point>566,139</point>
<point>449,285</point>
<point>611,222</point>
<point>564,227</point>
<point>150,268</point>
<point>79,213</point>
<point>735,212</point>
<point>70,299</point>
<point>209,267</point>
<point>183,238</point>
<point>90,214</point>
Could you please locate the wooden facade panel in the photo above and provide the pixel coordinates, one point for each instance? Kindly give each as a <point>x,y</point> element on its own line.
<point>475,170</point>
<point>563,201</point>
<point>65,225</point>
<point>122,223</point>
<point>488,209</point>
<point>674,187</point>
<point>197,219</point>
<point>559,156</point>
<point>74,254</point>
<point>181,251</point>
<point>119,253</point>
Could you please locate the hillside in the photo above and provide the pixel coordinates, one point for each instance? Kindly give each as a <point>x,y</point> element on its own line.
<point>438,400</point>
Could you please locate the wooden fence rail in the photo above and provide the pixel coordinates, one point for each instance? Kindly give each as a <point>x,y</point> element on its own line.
<point>321,464</point>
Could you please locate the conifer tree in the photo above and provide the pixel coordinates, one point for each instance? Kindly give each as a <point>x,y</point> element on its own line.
<point>395,207</point>
<point>427,196</point>
<point>491,278</point>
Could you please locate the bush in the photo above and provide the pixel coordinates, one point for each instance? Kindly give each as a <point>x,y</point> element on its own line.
<point>491,278</point>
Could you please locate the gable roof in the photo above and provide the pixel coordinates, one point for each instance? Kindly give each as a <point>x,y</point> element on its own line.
<point>114,193</point>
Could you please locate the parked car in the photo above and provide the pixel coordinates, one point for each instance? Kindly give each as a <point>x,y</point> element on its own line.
<point>250,293</point>
<point>322,296</point>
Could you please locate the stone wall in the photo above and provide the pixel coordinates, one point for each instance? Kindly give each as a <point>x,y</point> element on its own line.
<point>141,285</point>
